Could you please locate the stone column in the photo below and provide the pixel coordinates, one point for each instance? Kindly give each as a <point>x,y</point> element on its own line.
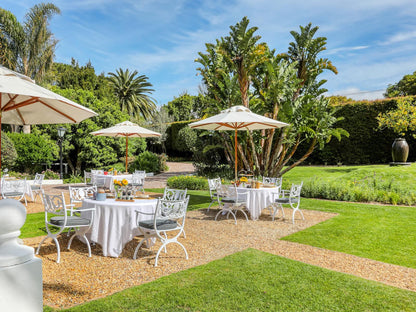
<point>20,271</point>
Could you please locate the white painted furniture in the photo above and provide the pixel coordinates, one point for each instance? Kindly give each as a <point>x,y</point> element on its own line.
<point>115,222</point>
<point>289,197</point>
<point>61,216</point>
<point>169,216</point>
<point>137,181</point>
<point>36,186</point>
<point>215,193</point>
<point>235,201</point>
<point>15,189</point>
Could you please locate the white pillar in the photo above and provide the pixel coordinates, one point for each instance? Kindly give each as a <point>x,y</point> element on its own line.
<point>20,271</point>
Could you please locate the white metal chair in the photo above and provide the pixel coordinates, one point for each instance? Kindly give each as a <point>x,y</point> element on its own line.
<point>140,171</point>
<point>15,189</point>
<point>235,202</point>
<point>292,198</point>
<point>174,194</point>
<point>36,187</point>
<point>271,180</point>
<point>169,216</point>
<point>58,215</point>
<point>137,181</point>
<point>97,181</point>
<point>78,193</point>
<point>87,178</point>
<point>214,186</point>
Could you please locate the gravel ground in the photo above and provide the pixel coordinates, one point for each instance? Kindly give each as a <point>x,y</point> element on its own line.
<point>206,240</point>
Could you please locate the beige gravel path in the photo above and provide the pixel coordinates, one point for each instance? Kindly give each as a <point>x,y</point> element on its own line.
<point>206,240</point>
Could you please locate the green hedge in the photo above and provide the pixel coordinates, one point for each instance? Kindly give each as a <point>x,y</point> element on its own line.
<point>188,182</point>
<point>366,144</point>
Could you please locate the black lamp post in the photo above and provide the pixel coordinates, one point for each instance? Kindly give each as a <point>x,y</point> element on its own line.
<point>61,133</point>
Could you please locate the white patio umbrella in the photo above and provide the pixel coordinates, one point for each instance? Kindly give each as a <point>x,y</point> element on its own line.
<point>23,102</point>
<point>128,130</point>
<point>237,118</point>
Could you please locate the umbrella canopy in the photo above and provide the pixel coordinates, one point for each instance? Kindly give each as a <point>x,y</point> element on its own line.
<point>126,129</point>
<point>23,102</point>
<point>237,118</point>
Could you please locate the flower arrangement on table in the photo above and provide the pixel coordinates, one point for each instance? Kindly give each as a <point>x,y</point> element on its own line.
<point>122,189</point>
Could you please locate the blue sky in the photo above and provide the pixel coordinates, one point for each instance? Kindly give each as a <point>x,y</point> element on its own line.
<point>371,42</point>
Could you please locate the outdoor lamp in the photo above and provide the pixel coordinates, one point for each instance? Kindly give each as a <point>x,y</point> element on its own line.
<point>61,133</point>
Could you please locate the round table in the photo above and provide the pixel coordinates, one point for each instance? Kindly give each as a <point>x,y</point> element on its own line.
<point>258,199</point>
<point>115,222</point>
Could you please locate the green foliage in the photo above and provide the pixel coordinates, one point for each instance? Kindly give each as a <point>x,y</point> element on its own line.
<point>149,162</point>
<point>188,182</point>
<point>32,150</point>
<point>367,144</point>
<point>186,141</point>
<point>133,93</point>
<point>81,149</point>
<point>74,179</point>
<point>8,152</point>
<point>29,47</point>
<point>402,119</point>
<point>406,86</point>
<point>50,175</point>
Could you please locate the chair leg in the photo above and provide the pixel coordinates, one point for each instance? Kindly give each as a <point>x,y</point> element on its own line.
<point>293,214</point>
<point>138,247</point>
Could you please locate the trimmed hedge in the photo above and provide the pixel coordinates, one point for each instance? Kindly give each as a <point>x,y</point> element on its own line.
<point>366,144</point>
<point>188,182</point>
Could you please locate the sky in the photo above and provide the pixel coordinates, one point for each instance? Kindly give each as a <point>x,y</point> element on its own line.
<point>371,42</point>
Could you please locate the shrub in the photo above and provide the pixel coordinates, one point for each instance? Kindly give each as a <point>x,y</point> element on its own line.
<point>188,182</point>
<point>186,139</point>
<point>148,161</point>
<point>8,152</point>
<point>32,150</point>
<point>74,179</point>
<point>50,175</point>
<point>214,170</point>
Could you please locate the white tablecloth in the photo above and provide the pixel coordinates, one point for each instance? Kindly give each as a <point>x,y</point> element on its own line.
<point>258,199</point>
<point>115,222</point>
<point>109,179</point>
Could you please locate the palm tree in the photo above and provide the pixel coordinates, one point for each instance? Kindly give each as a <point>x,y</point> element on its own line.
<point>133,92</point>
<point>28,47</point>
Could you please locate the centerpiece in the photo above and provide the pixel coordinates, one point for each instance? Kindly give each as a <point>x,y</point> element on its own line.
<point>122,190</point>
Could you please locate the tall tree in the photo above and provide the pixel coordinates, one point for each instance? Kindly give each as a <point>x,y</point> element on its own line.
<point>406,86</point>
<point>133,93</point>
<point>29,47</point>
<point>283,87</point>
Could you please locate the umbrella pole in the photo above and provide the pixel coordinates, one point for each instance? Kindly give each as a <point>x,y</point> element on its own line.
<point>235,156</point>
<point>127,149</point>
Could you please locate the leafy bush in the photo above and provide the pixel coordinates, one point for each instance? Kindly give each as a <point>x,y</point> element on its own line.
<point>74,179</point>
<point>188,182</point>
<point>186,139</point>
<point>32,150</point>
<point>148,161</point>
<point>8,152</point>
<point>50,175</point>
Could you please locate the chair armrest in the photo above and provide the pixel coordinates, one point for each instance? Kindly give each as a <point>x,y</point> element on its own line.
<point>145,213</point>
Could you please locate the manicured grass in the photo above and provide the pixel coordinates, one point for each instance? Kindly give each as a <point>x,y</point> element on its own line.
<point>256,281</point>
<point>34,225</point>
<point>383,233</point>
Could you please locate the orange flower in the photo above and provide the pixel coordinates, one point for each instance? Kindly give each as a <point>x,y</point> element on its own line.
<point>125,182</point>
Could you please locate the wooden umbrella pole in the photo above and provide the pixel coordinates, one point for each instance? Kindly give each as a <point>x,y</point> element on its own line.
<point>235,156</point>
<point>127,149</point>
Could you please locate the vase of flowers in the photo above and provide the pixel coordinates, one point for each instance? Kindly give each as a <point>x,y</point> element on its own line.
<point>120,188</point>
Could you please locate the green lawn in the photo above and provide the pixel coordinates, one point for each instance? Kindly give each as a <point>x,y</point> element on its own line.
<point>383,233</point>
<point>256,281</point>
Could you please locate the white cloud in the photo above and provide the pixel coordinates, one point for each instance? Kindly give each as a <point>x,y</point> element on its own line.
<point>400,37</point>
<point>357,94</point>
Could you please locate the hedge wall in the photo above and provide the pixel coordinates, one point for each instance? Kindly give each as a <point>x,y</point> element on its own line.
<point>366,144</point>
